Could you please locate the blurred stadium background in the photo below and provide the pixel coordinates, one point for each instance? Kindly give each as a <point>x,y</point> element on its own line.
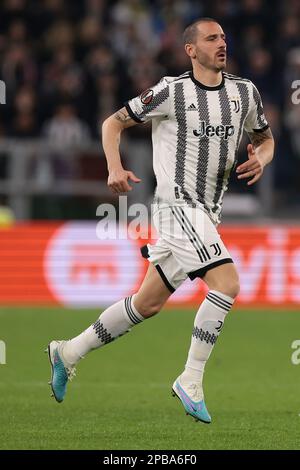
<point>67,65</point>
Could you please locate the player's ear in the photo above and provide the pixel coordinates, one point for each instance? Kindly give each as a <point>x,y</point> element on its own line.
<point>190,49</point>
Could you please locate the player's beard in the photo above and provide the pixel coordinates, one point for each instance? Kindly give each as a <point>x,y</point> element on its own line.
<point>210,63</point>
<point>219,68</point>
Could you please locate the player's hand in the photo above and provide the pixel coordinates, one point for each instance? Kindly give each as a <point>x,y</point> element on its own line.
<point>118,180</point>
<point>253,167</point>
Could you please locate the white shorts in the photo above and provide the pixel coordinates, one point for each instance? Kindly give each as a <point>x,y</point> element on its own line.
<point>188,245</point>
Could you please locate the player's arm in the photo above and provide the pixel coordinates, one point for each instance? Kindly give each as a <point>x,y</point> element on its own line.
<point>260,153</point>
<point>112,128</point>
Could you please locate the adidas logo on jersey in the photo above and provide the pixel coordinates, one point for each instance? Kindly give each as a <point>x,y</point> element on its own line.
<point>192,107</point>
<point>209,130</point>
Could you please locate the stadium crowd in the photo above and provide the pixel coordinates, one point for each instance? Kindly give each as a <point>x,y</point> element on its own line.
<point>68,64</point>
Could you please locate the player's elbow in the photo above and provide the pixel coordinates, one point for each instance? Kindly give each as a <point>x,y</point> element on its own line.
<point>102,127</point>
<point>111,126</point>
<point>106,123</point>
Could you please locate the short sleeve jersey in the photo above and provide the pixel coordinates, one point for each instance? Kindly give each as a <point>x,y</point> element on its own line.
<point>196,132</point>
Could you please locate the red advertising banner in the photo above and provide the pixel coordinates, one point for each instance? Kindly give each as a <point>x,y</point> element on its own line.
<point>67,264</point>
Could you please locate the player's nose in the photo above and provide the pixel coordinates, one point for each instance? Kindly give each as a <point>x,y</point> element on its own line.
<point>222,43</point>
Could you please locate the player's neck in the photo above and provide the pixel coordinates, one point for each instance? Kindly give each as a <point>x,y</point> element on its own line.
<point>209,78</point>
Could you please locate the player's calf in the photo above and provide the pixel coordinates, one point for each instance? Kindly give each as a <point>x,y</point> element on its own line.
<point>149,307</point>
<point>153,293</point>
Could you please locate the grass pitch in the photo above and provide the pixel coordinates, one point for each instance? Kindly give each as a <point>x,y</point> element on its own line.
<point>121,396</point>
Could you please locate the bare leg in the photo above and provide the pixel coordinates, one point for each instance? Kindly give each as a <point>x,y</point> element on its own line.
<point>223,279</point>
<point>152,295</point>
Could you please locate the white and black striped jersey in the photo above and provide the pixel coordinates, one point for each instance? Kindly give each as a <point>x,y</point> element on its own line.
<point>196,131</point>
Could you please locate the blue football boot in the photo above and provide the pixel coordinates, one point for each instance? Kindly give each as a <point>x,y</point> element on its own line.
<point>61,372</point>
<point>195,408</point>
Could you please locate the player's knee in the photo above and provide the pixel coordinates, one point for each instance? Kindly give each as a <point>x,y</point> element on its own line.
<point>224,279</point>
<point>231,288</point>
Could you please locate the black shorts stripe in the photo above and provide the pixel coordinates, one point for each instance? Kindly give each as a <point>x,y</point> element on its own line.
<point>200,253</point>
<point>192,239</point>
<point>195,233</point>
<point>202,271</point>
<point>219,299</point>
<point>145,252</point>
<point>162,275</point>
<point>193,236</point>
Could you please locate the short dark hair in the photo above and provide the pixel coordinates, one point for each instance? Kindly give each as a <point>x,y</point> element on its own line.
<point>190,32</point>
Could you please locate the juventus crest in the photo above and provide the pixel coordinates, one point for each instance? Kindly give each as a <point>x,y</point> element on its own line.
<point>217,249</point>
<point>236,104</point>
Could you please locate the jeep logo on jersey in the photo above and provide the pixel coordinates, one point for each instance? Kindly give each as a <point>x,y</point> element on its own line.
<point>146,96</point>
<point>209,131</point>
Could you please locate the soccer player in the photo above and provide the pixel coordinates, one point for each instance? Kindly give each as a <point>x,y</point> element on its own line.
<point>198,120</point>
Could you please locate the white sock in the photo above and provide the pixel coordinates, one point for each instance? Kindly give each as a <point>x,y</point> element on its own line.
<point>207,326</point>
<point>114,322</point>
